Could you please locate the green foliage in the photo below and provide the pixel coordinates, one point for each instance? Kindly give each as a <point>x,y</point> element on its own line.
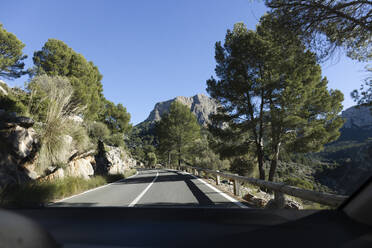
<point>330,24</point>
<point>200,154</point>
<point>80,137</point>
<point>271,91</point>
<point>177,130</point>
<point>116,139</point>
<point>343,23</point>
<point>116,117</point>
<point>298,182</point>
<point>11,55</point>
<point>98,131</point>
<point>12,102</point>
<point>243,166</point>
<point>56,128</point>
<point>56,58</point>
<point>151,158</point>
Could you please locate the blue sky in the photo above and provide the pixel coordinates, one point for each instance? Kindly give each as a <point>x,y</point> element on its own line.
<point>148,51</point>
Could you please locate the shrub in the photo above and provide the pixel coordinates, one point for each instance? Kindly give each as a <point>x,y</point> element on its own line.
<point>243,166</point>
<point>98,131</point>
<point>151,158</point>
<point>298,182</point>
<point>57,94</point>
<point>11,101</point>
<point>80,136</point>
<point>116,140</point>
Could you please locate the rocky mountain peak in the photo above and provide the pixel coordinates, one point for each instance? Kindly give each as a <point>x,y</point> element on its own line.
<point>201,105</point>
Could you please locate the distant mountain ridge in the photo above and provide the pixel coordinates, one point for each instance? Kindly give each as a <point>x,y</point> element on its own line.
<point>357,117</point>
<point>201,105</point>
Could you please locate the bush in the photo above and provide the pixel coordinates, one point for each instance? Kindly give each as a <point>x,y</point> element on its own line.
<point>242,166</point>
<point>98,131</point>
<point>116,140</point>
<point>12,102</point>
<point>151,158</point>
<point>80,136</point>
<point>297,182</point>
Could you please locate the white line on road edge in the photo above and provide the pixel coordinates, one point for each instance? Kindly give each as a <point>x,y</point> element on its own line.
<point>90,190</point>
<point>235,201</point>
<point>134,202</point>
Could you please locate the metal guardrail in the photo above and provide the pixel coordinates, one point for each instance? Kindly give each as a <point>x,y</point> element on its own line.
<point>279,188</point>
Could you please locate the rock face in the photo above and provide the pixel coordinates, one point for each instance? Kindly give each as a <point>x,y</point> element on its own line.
<point>81,167</point>
<point>201,105</point>
<point>357,117</point>
<point>18,149</point>
<point>112,160</point>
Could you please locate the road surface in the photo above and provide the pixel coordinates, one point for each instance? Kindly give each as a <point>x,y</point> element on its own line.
<point>154,188</point>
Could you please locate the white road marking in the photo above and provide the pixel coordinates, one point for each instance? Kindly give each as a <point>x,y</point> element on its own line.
<point>134,202</point>
<point>90,190</point>
<point>235,201</point>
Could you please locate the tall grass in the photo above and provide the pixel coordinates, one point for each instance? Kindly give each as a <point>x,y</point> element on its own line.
<point>54,94</point>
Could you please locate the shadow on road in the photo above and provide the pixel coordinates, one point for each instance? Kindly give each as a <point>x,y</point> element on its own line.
<point>151,205</point>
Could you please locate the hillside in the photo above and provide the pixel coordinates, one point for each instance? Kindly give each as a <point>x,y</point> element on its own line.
<point>343,165</point>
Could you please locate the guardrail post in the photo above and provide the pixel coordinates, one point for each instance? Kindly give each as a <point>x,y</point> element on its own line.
<point>236,187</point>
<point>279,199</point>
<point>195,172</point>
<point>218,179</point>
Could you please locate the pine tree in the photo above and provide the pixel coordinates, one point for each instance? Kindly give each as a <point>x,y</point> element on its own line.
<point>177,130</point>
<point>57,59</point>
<point>270,89</point>
<point>11,55</point>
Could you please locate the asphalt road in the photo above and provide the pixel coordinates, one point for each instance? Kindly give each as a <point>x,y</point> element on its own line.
<point>154,188</point>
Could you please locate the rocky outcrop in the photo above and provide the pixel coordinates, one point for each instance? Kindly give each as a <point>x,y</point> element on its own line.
<point>78,166</point>
<point>18,149</point>
<point>357,117</point>
<point>288,204</point>
<point>19,146</point>
<point>112,160</point>
<point>201,105</point>
<point>58,173</point>
<point>82,167</point>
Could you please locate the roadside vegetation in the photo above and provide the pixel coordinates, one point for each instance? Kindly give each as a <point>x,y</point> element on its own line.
<point>35,193</point>
<point>63,85</point>
<point>64,96</point>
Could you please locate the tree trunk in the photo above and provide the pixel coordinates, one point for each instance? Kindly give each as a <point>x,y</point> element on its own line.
<point>169,158</point>
<point>179,156</point>
<point>260,157</point>
<point>274,162</point>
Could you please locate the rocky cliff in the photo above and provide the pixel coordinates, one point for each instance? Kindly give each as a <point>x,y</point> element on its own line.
<point>201,105</point>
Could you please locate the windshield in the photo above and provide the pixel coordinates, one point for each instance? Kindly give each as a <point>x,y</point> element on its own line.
<point>251,104</point>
